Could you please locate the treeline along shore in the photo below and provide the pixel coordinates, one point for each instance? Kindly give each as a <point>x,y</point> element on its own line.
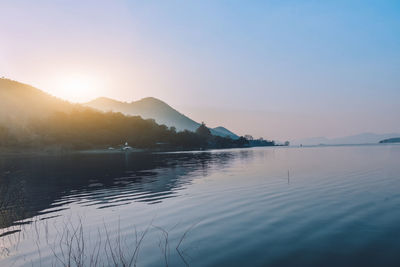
<point>90,129</point>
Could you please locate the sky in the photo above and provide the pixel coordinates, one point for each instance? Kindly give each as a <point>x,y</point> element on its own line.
<point>282,70</point>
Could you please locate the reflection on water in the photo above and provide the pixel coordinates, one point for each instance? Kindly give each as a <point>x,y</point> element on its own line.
<point>30,185</point>
<point>319,206</point>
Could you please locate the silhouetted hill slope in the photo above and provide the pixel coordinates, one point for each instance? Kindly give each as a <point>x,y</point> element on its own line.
<point>32,120</point>
<point>390,140</point>
<point>20,102</point>
<point>147,108</point>
<point>221,131</point>
<point>153,108</point>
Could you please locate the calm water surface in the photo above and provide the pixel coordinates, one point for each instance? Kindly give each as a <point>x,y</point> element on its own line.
<point>321,206</point>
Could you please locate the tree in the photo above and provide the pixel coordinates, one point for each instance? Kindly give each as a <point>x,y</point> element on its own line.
<point>287,143</point>
<point>242,141</point>
<point>249,137</point>
<point>203,130</point>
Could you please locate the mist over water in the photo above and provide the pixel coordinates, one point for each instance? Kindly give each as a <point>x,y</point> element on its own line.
<point>325,206</point>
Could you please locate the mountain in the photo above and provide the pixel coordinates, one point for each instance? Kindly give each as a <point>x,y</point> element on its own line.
<point>221,131</point>
<point>391,140</point>
<point>364,138</point>
<point>147,108</point>
<point>153,108</point>
<point>20,102</point>
<point>32,120</point>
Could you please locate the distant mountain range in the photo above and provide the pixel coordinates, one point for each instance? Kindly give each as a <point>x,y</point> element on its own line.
<point>153,108</point>
<point>364,138</point>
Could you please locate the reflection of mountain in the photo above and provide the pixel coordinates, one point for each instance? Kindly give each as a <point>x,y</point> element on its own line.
<point>153,108</point>
<point>39,185</point>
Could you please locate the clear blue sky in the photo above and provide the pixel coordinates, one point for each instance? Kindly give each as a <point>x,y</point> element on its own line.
<point>278,69</point>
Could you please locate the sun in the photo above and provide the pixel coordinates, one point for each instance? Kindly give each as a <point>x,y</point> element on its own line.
<point>76,88</point>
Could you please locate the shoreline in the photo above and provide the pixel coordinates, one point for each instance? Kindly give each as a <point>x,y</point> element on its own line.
<point>61,151</point>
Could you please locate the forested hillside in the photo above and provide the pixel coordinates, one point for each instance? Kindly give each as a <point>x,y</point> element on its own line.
<point>32,119</point>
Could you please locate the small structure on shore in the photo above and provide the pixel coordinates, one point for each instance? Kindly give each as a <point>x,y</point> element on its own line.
<point>126,147</point>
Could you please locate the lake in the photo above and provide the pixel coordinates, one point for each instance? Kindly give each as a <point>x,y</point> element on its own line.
<point>275,206</point>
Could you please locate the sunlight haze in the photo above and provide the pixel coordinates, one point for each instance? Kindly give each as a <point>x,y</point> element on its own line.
<point>278,69</point>
<point>199,133</point>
